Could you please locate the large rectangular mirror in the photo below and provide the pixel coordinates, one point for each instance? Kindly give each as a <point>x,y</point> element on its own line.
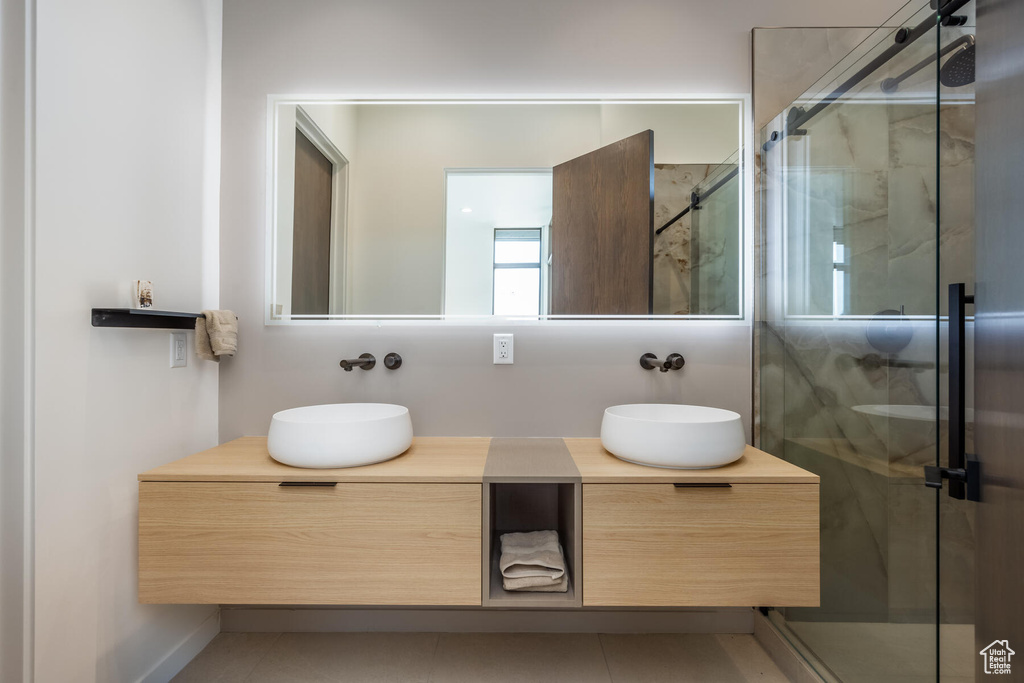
<point>519,209</point>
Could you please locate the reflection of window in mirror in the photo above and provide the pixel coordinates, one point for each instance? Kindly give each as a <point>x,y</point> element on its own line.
<point>840,270</point>
<point>821,264</point>
<point>517,271</point>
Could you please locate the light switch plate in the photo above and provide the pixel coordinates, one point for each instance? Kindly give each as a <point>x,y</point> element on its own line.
<point>179,349</point>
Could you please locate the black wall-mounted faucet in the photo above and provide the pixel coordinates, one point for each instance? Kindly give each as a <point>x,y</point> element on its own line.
<point>366,361</point>
<point>649,361</point>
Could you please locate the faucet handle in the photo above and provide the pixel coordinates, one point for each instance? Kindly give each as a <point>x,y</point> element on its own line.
<point>673,362</point>
<point>392,361</point>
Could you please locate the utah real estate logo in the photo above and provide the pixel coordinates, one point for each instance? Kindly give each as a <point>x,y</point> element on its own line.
<point>997,657</point>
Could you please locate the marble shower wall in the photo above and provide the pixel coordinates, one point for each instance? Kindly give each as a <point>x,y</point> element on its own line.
<point>877,517</point>
<point>785,63</point>
<point>715,246</point>
<point>673,184</point>
<point>696,276</point>
<point>864,177</point>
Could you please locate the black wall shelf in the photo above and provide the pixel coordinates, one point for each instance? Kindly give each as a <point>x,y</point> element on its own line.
<point>143,317</point>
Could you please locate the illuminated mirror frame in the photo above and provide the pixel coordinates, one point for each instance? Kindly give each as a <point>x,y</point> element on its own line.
<point>744,124</point>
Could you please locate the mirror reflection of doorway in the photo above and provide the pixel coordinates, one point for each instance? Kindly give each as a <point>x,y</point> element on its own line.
<point>311,250</point>
<point>496,241</point>
<point>319,213</point>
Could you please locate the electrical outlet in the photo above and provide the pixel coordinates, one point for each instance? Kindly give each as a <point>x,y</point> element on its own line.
<point>503,349</point>
<point>179,349</point>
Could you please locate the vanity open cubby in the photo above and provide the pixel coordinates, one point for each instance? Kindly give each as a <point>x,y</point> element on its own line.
<point>531,485</point>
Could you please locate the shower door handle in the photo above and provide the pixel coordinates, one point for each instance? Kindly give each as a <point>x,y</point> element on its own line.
<point>963,475</point>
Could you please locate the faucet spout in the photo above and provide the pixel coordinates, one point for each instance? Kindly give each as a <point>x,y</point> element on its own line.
<point>365,361</point>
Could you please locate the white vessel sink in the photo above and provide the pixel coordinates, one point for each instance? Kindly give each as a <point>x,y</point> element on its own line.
<point>673,436</point>
<point>339,435</point>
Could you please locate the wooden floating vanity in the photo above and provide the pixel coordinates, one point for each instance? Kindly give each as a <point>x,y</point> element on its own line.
<point>232,526</point>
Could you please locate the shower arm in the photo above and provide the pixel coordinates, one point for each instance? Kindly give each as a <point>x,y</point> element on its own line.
<point>892,84</point>
<point>799,117</point>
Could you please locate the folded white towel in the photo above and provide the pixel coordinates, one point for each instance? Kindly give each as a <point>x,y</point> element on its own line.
<point>533,561</point>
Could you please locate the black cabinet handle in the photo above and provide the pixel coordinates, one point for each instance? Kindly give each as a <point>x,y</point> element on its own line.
<point>708,485</point>
<point>309,483</point>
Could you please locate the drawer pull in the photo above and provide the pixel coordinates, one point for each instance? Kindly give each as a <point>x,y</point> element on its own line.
<point>709,485</point>
<point>308,483</point>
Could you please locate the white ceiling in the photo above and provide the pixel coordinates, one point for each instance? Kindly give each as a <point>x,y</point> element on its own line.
<point>499,200</point>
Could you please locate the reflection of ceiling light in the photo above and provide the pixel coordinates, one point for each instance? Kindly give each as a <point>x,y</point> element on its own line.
<point>466,209</point>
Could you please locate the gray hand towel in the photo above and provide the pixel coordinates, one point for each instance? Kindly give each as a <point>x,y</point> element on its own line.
<point>524,586</point>
<point>533,562</point>
<point>535,553</point>
<point>216,335</point>
<point>538,584</point>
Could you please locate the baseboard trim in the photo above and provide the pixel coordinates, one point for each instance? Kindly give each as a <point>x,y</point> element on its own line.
<point>330,620</point>
<point>184,652</point>
<point>785,656</point>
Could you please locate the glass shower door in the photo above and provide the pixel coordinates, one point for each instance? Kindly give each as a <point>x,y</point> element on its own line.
<point>857,248</point>
<point>955,153</point>
<point>715,235</point>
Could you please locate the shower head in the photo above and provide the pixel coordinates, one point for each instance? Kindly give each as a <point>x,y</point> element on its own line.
<point>959,69</point>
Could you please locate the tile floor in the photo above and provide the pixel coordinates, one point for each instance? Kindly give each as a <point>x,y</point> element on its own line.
<point>481,658</point>
<point>865,652</point>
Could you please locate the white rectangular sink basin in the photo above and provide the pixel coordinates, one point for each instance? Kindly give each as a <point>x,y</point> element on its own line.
<point>339,435</point>
<point>673,436</point>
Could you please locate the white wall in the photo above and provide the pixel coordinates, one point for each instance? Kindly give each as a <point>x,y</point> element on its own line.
<point>702,134</point>
<point>128,130</point>
<point>339,122</point>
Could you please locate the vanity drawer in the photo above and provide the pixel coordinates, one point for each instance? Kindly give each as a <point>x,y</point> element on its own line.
<point>741,545</point>
<point>351,544</point>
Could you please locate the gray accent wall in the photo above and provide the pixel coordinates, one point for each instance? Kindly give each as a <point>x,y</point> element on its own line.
<point>564,376</point>
<point>562,380</point>
<point>15,348</point>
